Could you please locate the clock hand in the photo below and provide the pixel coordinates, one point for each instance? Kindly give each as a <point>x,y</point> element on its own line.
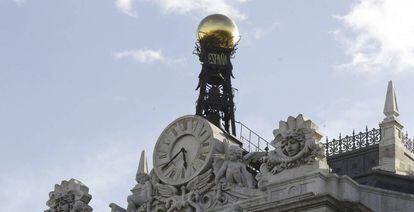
<point>175,156</point>
<point>185,160</point>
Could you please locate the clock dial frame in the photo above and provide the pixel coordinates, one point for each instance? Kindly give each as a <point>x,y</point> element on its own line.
<point>200,140</point>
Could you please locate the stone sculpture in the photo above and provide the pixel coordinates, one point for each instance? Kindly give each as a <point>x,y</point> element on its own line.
<point>69,196</point>
<point>233,171</point>
<point>233,182</point>
<point>142,193</point>
<point>170,199</point>
<point>296,143</point>
<point>229,183</point>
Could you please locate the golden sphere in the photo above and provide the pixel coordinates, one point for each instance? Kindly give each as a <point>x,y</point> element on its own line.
<point>218,28</point>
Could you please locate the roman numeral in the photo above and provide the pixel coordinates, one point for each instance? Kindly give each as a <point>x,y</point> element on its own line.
<point>197,163</point>
<point>172,173</point>
<point>183,125</point>
<point>165,143</point>
<point>162,158</point>
<point>171,170</point>
<point>194,125</point>
<point>199,127</point>
<point>174,132</point>
<point>188,125</point>
<point>162,155</point>
<point>204,131</point>
<point>205,150</point>
<point>164,148</point>
<point>182,172</point>
<point>201,130</point>
<point>202,157</point>
<point>193,169</point>
<point>205,137</point>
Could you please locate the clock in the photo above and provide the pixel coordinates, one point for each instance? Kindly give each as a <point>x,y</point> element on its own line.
<point>185,149</point>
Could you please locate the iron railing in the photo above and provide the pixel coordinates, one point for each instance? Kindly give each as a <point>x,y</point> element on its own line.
<point>408,142</point>
<point>251,140</point>
<point>357,141</point>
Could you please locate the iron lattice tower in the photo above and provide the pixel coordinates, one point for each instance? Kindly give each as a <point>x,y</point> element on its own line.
<point>215,101</point>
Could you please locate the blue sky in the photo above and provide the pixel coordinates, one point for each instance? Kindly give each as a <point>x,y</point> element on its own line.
<point>86,85</point>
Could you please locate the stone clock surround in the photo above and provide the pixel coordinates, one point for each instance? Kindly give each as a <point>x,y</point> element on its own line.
<point>201,141</point>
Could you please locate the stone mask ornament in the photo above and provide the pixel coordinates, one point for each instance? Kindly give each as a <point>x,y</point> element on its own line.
<point>295,143</point>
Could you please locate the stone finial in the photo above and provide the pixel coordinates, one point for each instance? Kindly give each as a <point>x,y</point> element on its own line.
<point>391,107</point>
<point>143,164</point>
<point>69,196</point>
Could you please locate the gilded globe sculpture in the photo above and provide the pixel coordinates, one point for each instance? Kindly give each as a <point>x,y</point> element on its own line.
<point>218,29</point>
<point>217,39</point>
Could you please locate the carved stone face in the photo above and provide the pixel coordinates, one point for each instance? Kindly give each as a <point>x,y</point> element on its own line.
<point>290,147</point>
<point>235,153</point>
<point>62,206</point>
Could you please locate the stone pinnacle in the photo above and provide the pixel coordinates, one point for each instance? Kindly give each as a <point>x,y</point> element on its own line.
<point>391,107</point>
<point>143,165</point>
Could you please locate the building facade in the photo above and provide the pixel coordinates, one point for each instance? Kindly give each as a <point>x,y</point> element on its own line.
<point>199,164</point>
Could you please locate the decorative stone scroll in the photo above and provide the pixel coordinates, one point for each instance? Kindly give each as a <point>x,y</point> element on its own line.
<point>296,144</point>
<point>69,196</point>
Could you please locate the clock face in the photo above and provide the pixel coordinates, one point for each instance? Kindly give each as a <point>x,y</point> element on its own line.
<point>183,150</point>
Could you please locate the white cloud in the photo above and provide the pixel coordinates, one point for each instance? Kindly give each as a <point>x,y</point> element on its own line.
<point>204,7</point>
<point>259,32</point>
<point>141,55</point>
<point>378,34</point>
<point>127,7</point>
<point>146,56</point>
